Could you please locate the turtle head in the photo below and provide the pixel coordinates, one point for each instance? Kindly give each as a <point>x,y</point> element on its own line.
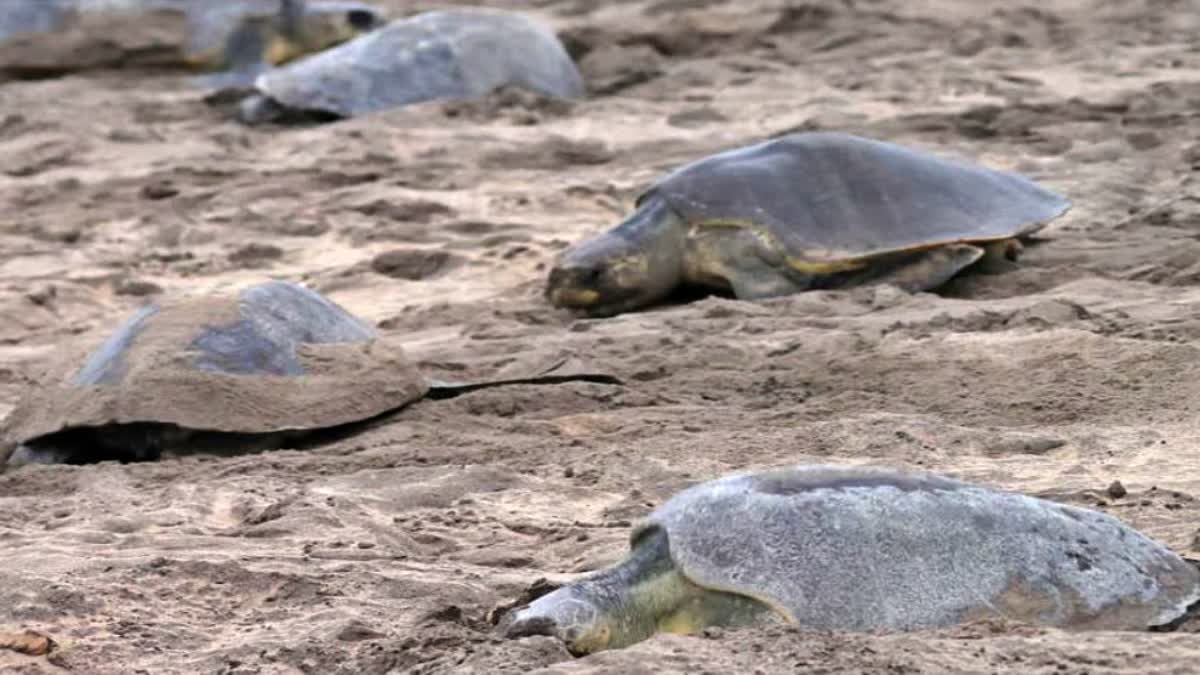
<point>618,607</point>
<point>635,264</point>
<point>572,614</point>
<point>309,27</point>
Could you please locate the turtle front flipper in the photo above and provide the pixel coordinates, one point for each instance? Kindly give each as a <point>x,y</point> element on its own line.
<point>741,258</point>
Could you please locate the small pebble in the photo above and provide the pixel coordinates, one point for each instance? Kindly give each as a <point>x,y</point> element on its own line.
<point>136,287</point>
<point>1116,490</point>
<point>161,189</point>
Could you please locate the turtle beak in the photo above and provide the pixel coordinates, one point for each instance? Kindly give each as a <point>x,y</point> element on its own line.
<point>597,286</point>
<point>574,287</point>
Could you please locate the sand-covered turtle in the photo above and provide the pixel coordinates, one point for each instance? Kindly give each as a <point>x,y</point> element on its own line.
<point>446,54</point>
<point>799,212</point>
<point>222,373</point>
<point>242,38</point>
<point>862,549</point>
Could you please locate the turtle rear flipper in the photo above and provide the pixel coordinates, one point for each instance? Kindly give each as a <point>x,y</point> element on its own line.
<point>929,269</point>
<point>246,48</point>
<point>25,454</point>
<point>244,59</point>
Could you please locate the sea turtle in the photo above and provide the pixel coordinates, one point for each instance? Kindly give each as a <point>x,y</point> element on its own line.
<point>222,373</point>
<point>41,38</point>
<point>28,16</point>
<point>830,547</point>
<point>447,54</point>
<point>803,211</point>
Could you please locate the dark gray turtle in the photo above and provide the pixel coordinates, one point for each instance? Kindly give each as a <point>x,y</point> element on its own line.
<point>450,54</point>
<point>863,549</point>
<point>40,38</point>
<point>805,211</point>
<point>226,373</point>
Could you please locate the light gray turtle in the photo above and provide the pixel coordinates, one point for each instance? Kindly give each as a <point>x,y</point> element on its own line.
<point>804,211</point>
<point>864,549</point>
<point>40,38</point>
<point>223,373</point>
<point>29,16</point>
<point>450,54</point>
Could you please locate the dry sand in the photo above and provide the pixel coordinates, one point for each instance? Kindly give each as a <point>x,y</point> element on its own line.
<point>385,551</point>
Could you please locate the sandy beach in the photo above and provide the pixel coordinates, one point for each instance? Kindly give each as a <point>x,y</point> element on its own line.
<point>387,551</point>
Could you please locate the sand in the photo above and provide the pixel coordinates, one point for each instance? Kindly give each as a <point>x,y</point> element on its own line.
<point>386,551</point>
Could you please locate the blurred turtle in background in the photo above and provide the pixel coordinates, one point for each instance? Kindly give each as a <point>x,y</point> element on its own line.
<point>237,38</point>
<point>450,54</point>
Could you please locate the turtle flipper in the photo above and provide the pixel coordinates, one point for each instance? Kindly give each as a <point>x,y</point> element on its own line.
<point>746,261</point>
<point>244,54</point>
<point>27,454</point>
<point>932,268</point>
<point>759,281</point>
<point>259,109</point>
<point>1000,256</point>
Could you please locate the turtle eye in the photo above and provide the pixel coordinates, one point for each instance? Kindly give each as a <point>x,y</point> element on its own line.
<point>360,19</point>
<point>590,276</point>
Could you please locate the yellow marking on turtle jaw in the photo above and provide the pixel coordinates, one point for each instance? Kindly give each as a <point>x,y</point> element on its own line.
<point>576,298</point>
<point>281,50</point>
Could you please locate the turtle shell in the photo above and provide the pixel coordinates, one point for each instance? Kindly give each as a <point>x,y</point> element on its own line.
<point>29,16</point>
<point>874,548</point>
<point>435,55</point>
<point>273,357</point>
<point>829,197</point>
